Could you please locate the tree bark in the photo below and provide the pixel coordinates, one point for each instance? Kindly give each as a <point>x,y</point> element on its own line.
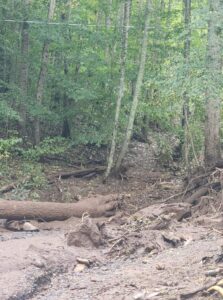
<point>66,105</point>
<point>50,211</point>
<point>121,85</point>
<point>137,89</point>
<point>214,85</point>
<point>187,42</point>
<point>43,73</point>
<point>24,67</point>
<point>108,27</point>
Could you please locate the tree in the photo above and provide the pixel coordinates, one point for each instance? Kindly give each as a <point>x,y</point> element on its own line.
<point>43,73</point>
<point>124,49</point>
<point>214,84</point>
<point>76,91</point>
<point>66,125</point>
<point>24,67</point>
<point>187,43</point>
<point>137,89</point>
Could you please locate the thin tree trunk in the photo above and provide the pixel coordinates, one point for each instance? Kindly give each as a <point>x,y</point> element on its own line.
<point>24,67</point>
<point>120,15</point>
<point>108,26</point>
<point>137,89</point>
<point>66,104</point>
<point>43,73</point>
<point>185,117</point>
<point>121,85</point>
<point>213,98</point>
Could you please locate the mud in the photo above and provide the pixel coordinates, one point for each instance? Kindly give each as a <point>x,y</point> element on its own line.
<point>134,262</point>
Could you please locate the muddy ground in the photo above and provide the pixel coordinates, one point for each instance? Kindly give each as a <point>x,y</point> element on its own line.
<point>150,249</point>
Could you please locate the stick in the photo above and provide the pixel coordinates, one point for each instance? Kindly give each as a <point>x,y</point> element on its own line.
<point>195,292</point>
<point>81,173</point>
<point>8,188</point>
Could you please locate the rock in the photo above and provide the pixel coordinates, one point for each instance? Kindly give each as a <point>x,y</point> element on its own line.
<point>80,268</point>
<point>20,226</point>
<point>87,234</point>
<point>29,227</point>
<point>39,263</point>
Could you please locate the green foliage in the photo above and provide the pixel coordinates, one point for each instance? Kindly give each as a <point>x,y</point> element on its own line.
<point>197,140</point>
<point>8,147</point>
<point>49,146</point>
<point>165,149</point>
<point>83,72</point>
<point>36,179</point>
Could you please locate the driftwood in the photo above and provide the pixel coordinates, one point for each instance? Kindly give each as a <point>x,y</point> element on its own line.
<point>81,173</point>
<point>49,211</point>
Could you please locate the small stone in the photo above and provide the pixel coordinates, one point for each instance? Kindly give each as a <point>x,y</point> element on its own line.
<point>94,280</point>
<point>80,268</point>
<point>38,263</point>
<point>29,227</point>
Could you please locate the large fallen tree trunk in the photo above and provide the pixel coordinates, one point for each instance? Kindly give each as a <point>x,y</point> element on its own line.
<point>48,211</point>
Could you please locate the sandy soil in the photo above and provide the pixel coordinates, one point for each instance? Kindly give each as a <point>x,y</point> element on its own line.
<point>135,262</point>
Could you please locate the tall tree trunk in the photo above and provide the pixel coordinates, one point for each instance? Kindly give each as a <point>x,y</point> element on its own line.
<point>213,99</point>
<point>137,90</point>
<point>24,67</point>
<point>66,126</point>
<point>66,104</point>
<point>187,42</point>
<point>108,26</point>
<point>124,50</point>
<point>43,73</point>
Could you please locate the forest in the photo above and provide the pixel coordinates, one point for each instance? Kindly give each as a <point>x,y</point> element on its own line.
<point>111,135</point>
<point>73,74</point>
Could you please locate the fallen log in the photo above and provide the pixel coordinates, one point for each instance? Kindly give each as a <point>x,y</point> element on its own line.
<point>202,191</point>
<point>97,206</point>
<point>195,197</point>
<point>81,173</point>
